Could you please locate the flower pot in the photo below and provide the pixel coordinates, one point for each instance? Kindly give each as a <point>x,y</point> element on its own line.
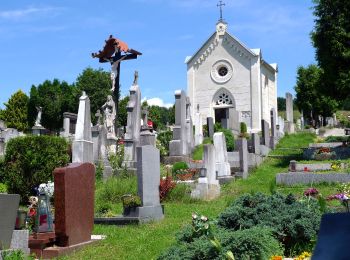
<point>184,176</point>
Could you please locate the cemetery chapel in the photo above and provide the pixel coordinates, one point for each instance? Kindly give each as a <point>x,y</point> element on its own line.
<point>230,82</point>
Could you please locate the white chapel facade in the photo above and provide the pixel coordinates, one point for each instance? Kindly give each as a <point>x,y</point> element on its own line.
<point>230,82</point>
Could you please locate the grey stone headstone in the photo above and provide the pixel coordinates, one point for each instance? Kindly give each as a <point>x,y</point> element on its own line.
<point>234,117</point>
<point>132,135</point>
<point>179,145</point>
<point>265,133</point>
<point>198,123</point>
<point>273,140</point>
<point>148,180</point>
<point>222,164</point>
<point>210,125</point>
<point>255,143</point>
<point>8,208</point>
<point>289,107</point>
<point>82,150</point>
<point>242,147</point>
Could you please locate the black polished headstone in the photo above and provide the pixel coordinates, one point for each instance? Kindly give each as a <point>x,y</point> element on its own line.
<point>210,124</point>
<point>333,238</point>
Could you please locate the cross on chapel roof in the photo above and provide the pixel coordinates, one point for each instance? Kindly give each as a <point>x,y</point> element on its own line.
<point>220,5</point>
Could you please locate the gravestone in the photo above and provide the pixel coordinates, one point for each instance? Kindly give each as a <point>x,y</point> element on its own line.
<point>265,133</point>
<point>198,123</point>
<point>210,125</point>
<point>255,143</point>
<point>289,126</point>
<point>189,126</point>
<point>10,133</point>
<point>132,135</point>
<point>2,146</point>
<point>273,139</point>
<point>103,152</point>
<point>280,124</point>
<point>179,145</point>
<point>148,180</point>
<point>234,117</point>
<point>8,207</point>
<point>74,203</point>
<point>69,124</point>
<point>82,150</point>
<point>208,187</point>
<point>242,147</point>
<point>221,158</point>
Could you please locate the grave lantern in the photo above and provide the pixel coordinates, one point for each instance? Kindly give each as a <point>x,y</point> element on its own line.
<point>44,222</point>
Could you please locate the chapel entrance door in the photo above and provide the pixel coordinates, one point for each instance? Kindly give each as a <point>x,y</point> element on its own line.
<point>222,116</point>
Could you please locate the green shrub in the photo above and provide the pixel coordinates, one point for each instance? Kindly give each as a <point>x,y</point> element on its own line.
<point>3,188</point>
<point>293,222</point>
<point>114,188</point>
<point>165,138</point>
<point>230,140</point>
<point>179,166</point>
<point>253,243</point>
<point>243,128</point>
<point>30,161</point>
<point>334,139</point>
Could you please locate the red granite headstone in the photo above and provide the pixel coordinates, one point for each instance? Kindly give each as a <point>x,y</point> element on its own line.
<point>74,203</point>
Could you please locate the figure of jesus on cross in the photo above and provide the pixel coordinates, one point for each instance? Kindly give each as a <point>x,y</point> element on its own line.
<point>115,51</point>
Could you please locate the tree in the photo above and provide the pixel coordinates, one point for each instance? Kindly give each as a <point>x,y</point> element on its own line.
<point>55,98</point>
<point>281,104</point>
<point>123,114</point>
<point>331,38</point>
<point>309,99</point>
<point>15,113</point>
<point>97,85</point>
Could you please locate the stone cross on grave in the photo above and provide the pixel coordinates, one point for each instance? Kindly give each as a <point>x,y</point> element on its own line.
<point>98,116</point>
<point>220,5</point>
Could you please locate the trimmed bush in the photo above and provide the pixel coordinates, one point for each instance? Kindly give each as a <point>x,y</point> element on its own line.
<point>30,161</point>
<point>293,222</point>
<point>243,128</point>
<point>179,166</point>
<point>3,188</point>
<point>335,139</point>
<point>254,243</point>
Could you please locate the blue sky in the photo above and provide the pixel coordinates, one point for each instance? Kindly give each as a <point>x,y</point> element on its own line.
<point>42,40</point>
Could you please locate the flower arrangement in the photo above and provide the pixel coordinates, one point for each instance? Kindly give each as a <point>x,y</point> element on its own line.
<point>343,196</point>
<point>303,256</point>
<point>47,188</point>
<point>276,257</point>
<point>186,174</point>
<point>131,201</point>
<point>311,192</point>
<point>336,165</point>
<point>324,153</point>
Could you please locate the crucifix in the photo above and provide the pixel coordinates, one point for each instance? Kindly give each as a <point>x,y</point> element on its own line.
<point>220,5</point>
<point>115,51</point>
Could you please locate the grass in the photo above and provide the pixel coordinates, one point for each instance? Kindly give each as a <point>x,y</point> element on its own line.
<point>147,241</point>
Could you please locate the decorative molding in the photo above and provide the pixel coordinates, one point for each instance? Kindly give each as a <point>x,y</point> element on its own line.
<point>206,52</point>
<point>246,114</point>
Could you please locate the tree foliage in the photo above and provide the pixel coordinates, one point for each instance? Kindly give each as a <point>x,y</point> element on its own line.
<point>96,84</point>
<point>331,38</point>
<point>123,113</point>
<point>15,113</point>
<point>309,97</point>
<point>281,104</point>
<point>55,97</point>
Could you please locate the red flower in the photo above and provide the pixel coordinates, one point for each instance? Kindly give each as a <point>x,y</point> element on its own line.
<point>32,212</point>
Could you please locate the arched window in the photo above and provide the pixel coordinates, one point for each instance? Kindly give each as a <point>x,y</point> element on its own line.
<point>223,98</point>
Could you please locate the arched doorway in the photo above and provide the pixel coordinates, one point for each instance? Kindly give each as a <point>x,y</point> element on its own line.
<point>223,102</point>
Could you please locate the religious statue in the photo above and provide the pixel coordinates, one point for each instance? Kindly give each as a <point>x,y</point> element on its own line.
<point>112,52</point>
<point>38,117</point>
<point>109,115</point>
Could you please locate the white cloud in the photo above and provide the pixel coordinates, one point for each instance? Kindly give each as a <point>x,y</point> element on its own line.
<point>21,13</point>
<point>157,102</point>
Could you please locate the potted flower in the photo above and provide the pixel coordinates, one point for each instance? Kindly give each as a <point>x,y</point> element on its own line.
<point>130,203</point>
